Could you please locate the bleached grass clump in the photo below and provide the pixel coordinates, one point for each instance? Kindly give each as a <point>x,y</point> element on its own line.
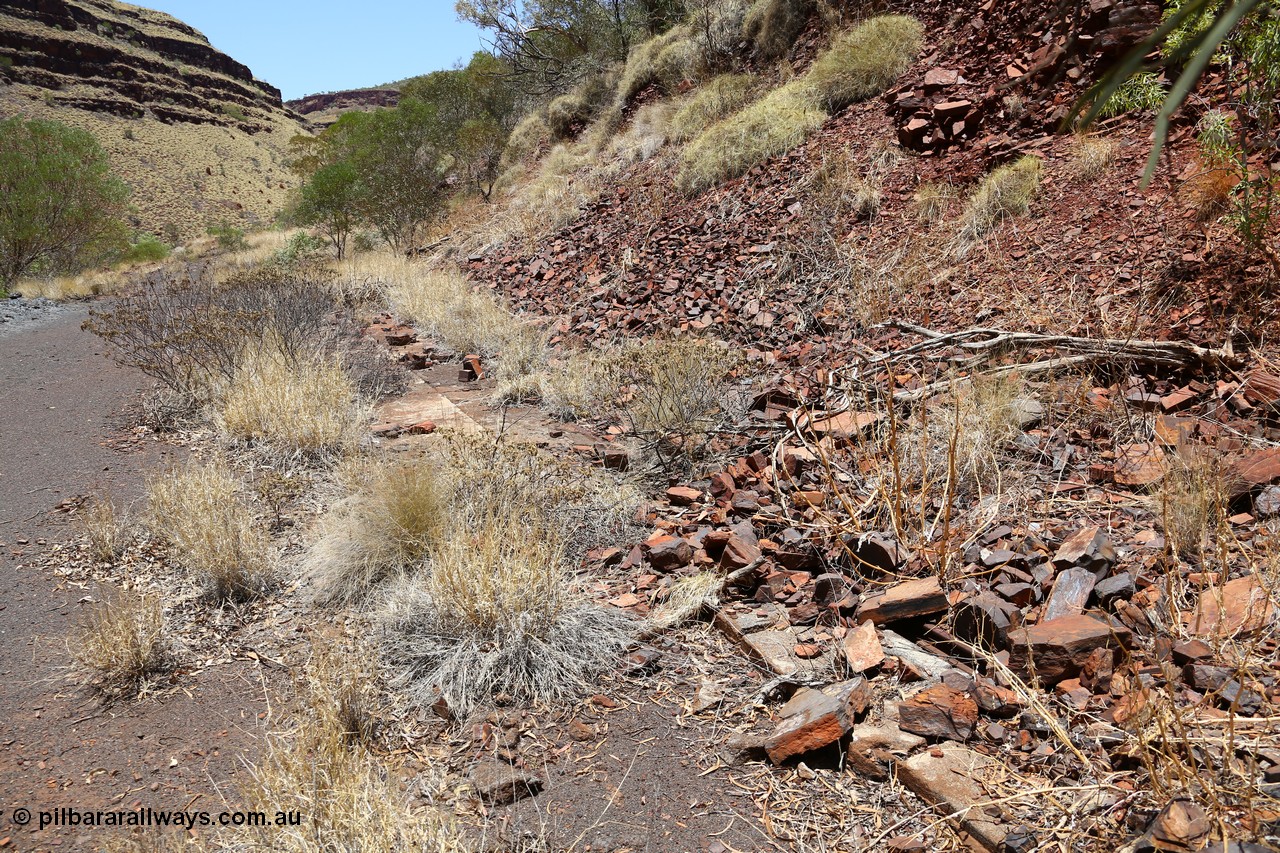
<point>522,362</point>
<point>349,802</point>
<point>498,614</point>
<point>395,513</point>
<point>718,98</point>
<point>960,438</point>
<point>308,408</point>
<point>1092,156</point>
<point>211,532</point>
<point>445,306</point>
<point>775,124</point>
<point>1004,193</point>
<point>687,598</point>
<point>103,527</point>
<point>865,61</point>
<point>583,384</point>
<point>122,639</point>
<point>1191,502</point>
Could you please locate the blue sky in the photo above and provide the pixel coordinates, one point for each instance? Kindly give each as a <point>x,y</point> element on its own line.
<point>325,45</point>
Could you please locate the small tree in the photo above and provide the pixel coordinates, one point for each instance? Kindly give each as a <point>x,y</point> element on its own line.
<point>60,206</point>
<point>331,202</point>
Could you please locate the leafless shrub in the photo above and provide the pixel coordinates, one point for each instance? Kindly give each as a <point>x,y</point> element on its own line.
<point>681,394</point>
<point>189,331</point>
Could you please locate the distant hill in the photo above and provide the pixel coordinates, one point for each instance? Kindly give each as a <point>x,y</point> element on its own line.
<point>199,139</point>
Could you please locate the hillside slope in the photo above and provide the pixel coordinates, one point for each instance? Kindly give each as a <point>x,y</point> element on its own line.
<point>198,138</point>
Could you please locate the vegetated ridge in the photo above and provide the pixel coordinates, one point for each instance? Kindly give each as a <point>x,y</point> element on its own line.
<point>198,138</point>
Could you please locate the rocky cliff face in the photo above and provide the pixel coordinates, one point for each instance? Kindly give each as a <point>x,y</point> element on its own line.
<point>199,138</point>
<point>324,109</point>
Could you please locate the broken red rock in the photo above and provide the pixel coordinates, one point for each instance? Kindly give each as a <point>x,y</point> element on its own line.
<point>813,719</point>
<point>921,597</point>
<point>939,712</point>
<point>861,648</point>
<point>1059,648</point>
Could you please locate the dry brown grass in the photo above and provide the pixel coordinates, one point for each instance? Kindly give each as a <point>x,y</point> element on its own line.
<point>1191,502</point>
<point>446,306</point>
<point>1092,156</point>
<point>1208,192</point>
<point>772,25</point>
<point>211,532</point>
<point>122,640</point>
<point>103,526</point>
<point>347,800</point>
<point>394,514</point>
<point>582,384</point>
<point>308,409</point>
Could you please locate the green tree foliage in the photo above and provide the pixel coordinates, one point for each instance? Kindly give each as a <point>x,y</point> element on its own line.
<point>60,206</point>
<point>549,45</point>
<point>475,111</point>
<point>330,201</point>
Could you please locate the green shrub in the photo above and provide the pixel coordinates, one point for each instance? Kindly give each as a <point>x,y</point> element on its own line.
<point>866,60</point>
<point>1003,193</point>
<point>1140,93</point>
<point>234,111</point>
<point>146,247</point>
<point>720,97</point>
<point>230,238</point>
<point>773,125</point>
<point>302,249</point>
<point>61,208</point>
<point>772,25</point>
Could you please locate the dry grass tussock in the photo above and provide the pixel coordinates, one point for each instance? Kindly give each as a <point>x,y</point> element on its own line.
<point>1191,502</point>
<point>498,610</point>
<point>772,25</point>
<point>1092,156</point>
<point>720,97</point>
<point>308,408</point>
<point>210,530</point>
<point>348,801</point>
<point>775,124</point>
<point>1004,193</point>
<point>858,65</point>
<point>933,201</point>
<point>948,449</point>
<point>103,527</point>
<point>395,512</point>
<point>445,305</point>
<point>865,61</point>
<point>122,640</point>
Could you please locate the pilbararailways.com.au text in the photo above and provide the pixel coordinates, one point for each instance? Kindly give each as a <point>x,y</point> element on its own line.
<point>148,817</point>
